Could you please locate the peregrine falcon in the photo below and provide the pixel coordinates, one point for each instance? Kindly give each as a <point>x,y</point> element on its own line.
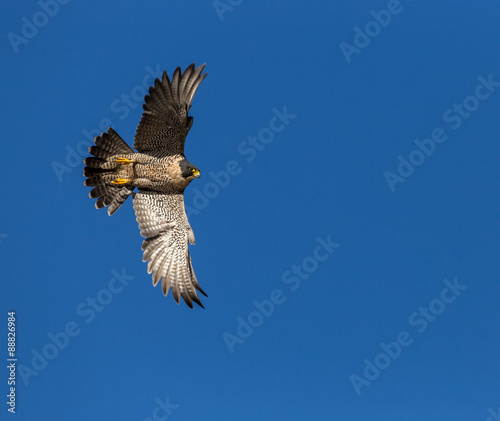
<point>161,173</point>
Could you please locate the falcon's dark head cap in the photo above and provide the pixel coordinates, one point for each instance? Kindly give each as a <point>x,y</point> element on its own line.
<point>189,170</point>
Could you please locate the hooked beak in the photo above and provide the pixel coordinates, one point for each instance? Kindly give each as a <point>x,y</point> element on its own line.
<point>197,174</point>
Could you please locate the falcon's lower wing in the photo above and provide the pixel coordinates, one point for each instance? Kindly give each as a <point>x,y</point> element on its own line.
<point>163,221</point>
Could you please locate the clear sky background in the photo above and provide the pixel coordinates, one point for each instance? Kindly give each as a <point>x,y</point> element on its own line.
<point>414,250</point>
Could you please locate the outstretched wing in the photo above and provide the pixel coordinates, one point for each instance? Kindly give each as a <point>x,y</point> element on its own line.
<point>165,122</point>
<point>163,221</point>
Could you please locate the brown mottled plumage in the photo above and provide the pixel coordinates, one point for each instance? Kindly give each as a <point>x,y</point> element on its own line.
<point>161,173</point>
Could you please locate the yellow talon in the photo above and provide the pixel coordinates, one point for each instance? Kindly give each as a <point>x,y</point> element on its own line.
<point>124,161</point>
<point>121,181</point>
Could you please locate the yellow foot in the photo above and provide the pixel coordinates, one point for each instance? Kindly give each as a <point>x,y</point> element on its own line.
<point>121,181</point>
<point>124,161</point>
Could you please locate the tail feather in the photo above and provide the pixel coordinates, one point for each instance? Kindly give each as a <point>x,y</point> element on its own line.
<point>100,190</point>
<point>112,143</point>
<point>119,199</point>
<point>100,172</point>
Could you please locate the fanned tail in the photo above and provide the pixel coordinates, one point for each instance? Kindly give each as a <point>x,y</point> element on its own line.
<point>100,171</point>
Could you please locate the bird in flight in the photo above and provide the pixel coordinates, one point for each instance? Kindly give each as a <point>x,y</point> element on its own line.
<point>161,173</point>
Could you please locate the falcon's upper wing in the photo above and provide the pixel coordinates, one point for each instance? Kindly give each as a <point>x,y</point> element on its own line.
<point>163,221</point>
<point>165,122</point>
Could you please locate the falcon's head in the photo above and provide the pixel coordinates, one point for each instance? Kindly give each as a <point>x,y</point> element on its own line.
<point>189,171</point>
<point>182,173</point>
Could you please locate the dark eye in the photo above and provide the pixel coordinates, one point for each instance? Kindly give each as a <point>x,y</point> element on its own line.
<point>191,169</point>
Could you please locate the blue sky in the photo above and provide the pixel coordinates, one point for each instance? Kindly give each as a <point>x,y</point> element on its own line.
<point>347,218</point>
